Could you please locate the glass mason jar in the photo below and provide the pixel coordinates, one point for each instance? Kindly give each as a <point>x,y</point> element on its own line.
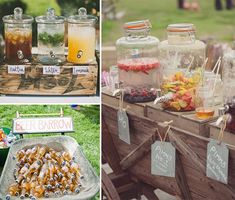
<point>139,68</point>
<point>204,102</point>
<point>81,37</point>
<point>181,49</point>
<point>50,38</point>
<point>228,75</point>
<point>18,37</point>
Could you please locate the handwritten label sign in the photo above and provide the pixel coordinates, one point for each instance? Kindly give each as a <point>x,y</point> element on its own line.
<point>163,159</point>
<point>217,161</point>
<point>123,127</point>
<point>80,70</point>
<point>51,70</point>
<point>43,125</point>
<point>16,69</point>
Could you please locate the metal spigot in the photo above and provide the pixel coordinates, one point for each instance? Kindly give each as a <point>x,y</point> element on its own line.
<point>79,54</point>
<point>20,54</point>
<point>52,54</point>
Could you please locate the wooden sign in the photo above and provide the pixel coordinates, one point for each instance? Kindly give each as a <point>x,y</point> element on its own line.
<point>163,159</point>
<point>43,125</point>
<point>123,127</point>
<point>80,70</point>
<point>51,70</point>
<point>217,161</point>
<point>16,69</point>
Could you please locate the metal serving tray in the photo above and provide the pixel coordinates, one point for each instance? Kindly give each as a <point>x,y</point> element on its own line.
<point>59,143</point>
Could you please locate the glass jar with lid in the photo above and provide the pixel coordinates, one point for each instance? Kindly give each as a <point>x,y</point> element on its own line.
<point>228,74</point>
<point>50,38</point>
<point>137,60</point>
<point>181,49</point>
<point>81,37</point>
<point>18,37</point>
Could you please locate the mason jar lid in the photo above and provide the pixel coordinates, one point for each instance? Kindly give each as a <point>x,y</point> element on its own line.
<point>18,17</point>
<point>184,27</point>
<point>137,25</point>
<point>50,18</point>
<point>83,18</point>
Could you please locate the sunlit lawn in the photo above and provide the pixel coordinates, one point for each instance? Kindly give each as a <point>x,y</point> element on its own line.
<point>209,22</point>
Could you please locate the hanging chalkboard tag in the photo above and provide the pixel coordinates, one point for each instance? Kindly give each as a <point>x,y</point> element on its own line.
<point>217,161</point>
<point>123,126</point>
<point>163,159</point>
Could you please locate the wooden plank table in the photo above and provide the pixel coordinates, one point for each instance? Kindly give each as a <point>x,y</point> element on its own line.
<point>184,120</point>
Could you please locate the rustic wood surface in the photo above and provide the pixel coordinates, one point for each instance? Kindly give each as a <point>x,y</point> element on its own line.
<point>184,120</point>
<point>34,82</point>
<point>138,108</point>
<point>228,137</point>
<point>108,187</point>
<point>191,150</point>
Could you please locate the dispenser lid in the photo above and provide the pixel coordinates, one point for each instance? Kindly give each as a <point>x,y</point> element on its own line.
<point>138,25</point>
<point>50,18</point>
<point>82,18</point>
<point>183,27</point>
<point>18,17</point>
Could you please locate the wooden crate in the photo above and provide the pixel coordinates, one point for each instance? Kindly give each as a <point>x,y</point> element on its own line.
<point>34,82</point>
<point>184,120</point>
<point>108,98</point>
<point>228,137</point>
<point>190,182</point>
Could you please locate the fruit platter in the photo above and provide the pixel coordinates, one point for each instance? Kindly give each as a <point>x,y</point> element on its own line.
<point>183,90</point>
<point>48,167</point>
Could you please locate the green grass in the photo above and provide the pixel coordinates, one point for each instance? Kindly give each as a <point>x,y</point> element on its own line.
<point>209,22</point>
<point>86,126</point>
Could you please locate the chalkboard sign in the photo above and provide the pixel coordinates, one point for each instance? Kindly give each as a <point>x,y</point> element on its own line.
<point>217,161</point>
<point>163,159</point>
<point>123,127</point>
<point>43,125</point>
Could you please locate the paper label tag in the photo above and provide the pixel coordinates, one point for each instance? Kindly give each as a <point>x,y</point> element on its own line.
<point>123,127</point>
<point>16,69</point>
<point>217,161</point>
<point>80,70</point>
<point>51,70</point>
<point>163,159</point>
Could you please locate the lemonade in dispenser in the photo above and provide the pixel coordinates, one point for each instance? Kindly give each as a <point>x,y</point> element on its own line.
<point>81,37</point>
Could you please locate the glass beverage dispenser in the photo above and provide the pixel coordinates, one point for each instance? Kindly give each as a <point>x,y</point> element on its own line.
<point>181,55</point>
<point>139,68</point>
<point>18,37</point>
<point>228,76</point>
<point>50,38</point>
<point>81,37</point>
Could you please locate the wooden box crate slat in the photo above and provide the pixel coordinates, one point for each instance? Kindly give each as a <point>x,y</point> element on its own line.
<point>108,98</point>
<point>228,137</point>
<point>184,120</point>
<point>34,82</point>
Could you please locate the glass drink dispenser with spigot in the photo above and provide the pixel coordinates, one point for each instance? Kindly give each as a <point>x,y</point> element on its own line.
<point>137,60</point>
<point>50,38</point>
<point>18,37</point>
<point>81,37</point>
